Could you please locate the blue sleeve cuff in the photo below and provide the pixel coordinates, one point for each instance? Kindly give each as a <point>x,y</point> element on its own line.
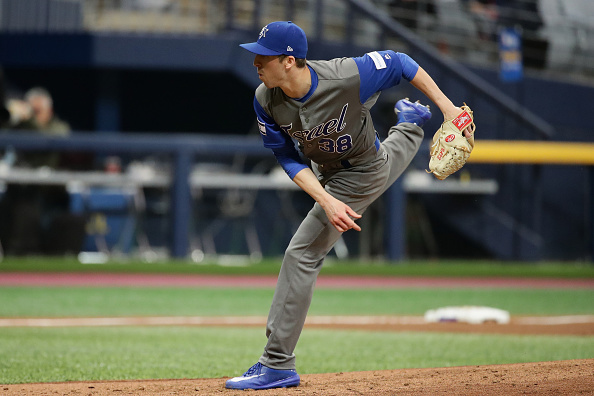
<point>290,161</point>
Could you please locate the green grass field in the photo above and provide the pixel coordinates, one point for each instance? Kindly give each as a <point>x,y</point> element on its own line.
<point>88,353</point>
<point>101,301</point>
<point>441,268</point>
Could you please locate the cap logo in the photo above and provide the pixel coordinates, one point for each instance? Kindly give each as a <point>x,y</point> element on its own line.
<point>263,32</point>
<point>289,49</point>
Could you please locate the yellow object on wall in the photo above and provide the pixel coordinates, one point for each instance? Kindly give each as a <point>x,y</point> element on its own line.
<point>532,152</point>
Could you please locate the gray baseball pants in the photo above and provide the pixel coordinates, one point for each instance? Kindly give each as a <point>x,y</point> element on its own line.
<point>358,187</point>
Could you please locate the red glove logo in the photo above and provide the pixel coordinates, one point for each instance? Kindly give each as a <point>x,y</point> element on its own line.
<point>462,121</point>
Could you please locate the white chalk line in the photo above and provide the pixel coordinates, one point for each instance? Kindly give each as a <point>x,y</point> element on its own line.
<point>261,320</point>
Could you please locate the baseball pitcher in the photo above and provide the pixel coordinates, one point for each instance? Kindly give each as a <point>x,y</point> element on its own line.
<point>323,108</point>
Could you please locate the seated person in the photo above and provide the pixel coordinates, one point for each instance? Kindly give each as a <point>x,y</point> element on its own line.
<point>28,211</point>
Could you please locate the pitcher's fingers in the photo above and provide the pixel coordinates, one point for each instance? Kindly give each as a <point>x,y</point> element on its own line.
<point>340,227</point>
<point>352,213</point>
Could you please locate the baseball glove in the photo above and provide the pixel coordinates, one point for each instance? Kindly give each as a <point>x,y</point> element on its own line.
<point>450,149</point>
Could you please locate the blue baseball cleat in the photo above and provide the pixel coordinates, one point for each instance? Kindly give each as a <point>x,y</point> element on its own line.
<point>415,113</point>
<point>262,377</point>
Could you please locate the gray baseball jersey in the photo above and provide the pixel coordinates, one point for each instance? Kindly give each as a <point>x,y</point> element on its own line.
<point>333,128</point>
<point>332,124</point>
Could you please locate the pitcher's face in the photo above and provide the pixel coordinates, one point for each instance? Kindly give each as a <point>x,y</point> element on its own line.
<point>271,70</point>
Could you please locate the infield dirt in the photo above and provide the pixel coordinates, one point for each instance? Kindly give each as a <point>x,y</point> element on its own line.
<point>568,377</point>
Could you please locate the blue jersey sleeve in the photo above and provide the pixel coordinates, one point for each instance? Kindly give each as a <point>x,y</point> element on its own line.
<point>380,70</point>
<point>281,144</point>
<point>290,160</point>
<point>271,133</point>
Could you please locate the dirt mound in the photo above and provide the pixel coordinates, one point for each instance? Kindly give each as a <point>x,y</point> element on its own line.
<point>568,377</point>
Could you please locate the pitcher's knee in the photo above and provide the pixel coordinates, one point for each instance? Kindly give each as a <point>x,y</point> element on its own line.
<point>304,257</point>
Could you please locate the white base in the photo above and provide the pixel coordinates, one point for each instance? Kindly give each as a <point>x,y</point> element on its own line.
<point>468,314</point>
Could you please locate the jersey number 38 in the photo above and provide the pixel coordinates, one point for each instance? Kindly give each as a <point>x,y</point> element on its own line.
<point>343,143</point>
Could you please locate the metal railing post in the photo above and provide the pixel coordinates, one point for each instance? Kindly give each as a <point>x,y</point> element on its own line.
<point>289,9</point>
<point>180,204</point>
<point>257,17</point>
<point>349,29</point>
<point>319,20</point>
<point>229,17</point>
<point>396,221</point>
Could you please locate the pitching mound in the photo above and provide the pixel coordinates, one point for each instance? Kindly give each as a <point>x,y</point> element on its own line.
<point>568,377</point>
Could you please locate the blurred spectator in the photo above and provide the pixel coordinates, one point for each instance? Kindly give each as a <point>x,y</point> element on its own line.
<point>485,14</point>
<point>36,113</point>
<point>44,118</point>
<point>491,15</point>
<point>34,216</point>
<point>526,16</point>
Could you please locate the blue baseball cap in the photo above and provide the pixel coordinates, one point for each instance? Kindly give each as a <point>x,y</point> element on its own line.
<point>280,38</point>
